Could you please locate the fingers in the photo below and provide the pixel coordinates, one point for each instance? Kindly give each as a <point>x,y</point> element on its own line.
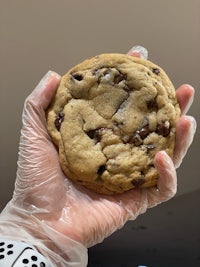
<point>185,96</point>
<point>186,126</point>
<point>138,51</point>
<point>167,173</point>
<point>185,130</point>
<point>44,91</point>
<point>167,182</point>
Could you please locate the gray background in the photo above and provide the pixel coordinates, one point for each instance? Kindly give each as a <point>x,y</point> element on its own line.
<point>36,36</point>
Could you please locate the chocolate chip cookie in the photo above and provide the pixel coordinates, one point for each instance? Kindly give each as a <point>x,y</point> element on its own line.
<point>110,115</point>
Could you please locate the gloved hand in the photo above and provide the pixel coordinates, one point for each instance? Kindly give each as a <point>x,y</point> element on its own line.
<point>62,220</point>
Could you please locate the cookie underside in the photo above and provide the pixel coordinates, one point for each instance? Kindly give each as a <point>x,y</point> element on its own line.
<point>111,114</point>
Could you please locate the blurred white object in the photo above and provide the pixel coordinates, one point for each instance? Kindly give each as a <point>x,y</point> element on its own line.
<point>142,51</point>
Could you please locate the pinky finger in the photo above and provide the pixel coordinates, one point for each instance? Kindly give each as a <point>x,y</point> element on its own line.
<point>167,181</point>
<point>185,131</point>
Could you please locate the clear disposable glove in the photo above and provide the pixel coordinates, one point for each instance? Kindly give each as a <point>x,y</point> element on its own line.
<point>61,219</point>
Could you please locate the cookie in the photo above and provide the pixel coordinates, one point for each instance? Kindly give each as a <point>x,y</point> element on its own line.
<point>109,117</point>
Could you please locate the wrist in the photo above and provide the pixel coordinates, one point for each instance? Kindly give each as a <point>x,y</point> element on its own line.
<point>60,250</point>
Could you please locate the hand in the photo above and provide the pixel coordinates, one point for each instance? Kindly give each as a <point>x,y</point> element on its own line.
<point>66,216</point>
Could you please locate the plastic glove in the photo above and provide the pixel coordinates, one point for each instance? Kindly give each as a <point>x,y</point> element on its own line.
<point>62,219</point>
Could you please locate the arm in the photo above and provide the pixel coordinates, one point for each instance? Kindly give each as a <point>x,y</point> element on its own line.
<point>60,220</point>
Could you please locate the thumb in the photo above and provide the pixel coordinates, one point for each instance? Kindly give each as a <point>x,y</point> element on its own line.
<point>44,91</point>
<point>35,145</point>
<point>33,116</point>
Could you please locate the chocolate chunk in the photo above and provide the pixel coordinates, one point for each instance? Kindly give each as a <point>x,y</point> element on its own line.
<point>95,134</point>
<point>140,134</point>
<point>164,128</point>
<point>77,76</point>
<point>156,71</point>
<point>135,139</point>
<point>138,182</point>
<point>101,169</point>
<point>91,133</point>
<point>126,88</point>
<point>144,131</point>
<point>152,105</point>
<point>59,119</point>
<point>119,77</point>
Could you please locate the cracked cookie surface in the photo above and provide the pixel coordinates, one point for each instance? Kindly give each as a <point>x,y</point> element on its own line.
<point>110,115</point>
